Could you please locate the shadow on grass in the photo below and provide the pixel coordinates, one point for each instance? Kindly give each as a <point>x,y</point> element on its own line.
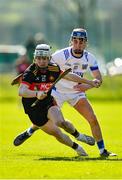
<point>77,158</point>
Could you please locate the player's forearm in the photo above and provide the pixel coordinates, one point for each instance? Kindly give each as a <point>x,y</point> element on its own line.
<point>82,87</point>
<point>86,86</point>
<point>76,78</point>
<point>25,92</point>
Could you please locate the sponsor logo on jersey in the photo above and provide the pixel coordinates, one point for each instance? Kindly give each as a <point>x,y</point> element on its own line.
<point>76,64</point>
<point>79,74</point>
<point>44,86</point>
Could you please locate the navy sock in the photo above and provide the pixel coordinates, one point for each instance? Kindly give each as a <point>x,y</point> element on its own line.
<point>101,145</point>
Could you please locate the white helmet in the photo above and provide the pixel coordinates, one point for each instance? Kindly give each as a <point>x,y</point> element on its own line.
<point>43,50</point>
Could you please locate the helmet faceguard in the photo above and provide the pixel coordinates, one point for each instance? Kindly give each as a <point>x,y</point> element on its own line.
<point>42,50</point>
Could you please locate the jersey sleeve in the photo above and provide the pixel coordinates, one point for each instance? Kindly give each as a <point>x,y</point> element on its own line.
<point>57,58</point>
<point>28,78</point>
<point>93,65</point>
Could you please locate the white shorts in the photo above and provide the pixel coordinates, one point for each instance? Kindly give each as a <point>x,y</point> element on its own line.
<point>72,99</point>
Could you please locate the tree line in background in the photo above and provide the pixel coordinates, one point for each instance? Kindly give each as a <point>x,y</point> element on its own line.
<point>54,20</point>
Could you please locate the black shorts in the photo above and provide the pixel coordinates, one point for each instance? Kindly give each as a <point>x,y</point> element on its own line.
<point>38,115</point>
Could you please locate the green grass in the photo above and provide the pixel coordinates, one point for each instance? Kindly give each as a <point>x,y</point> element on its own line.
<point>42,157</point>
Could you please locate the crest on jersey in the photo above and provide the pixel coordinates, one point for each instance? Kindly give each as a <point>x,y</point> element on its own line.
<point>68,64</point>
<point>84,66</point>
<point>51,78</point>
<point>75,67</point>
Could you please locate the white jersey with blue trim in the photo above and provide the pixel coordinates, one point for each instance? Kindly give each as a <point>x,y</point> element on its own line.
<point>65,59</point>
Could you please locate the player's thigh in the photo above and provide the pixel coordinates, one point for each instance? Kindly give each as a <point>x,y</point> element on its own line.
<point>72,99</point>
<point>55,115</point>
<point>59,98</point>
<point>85,109</point>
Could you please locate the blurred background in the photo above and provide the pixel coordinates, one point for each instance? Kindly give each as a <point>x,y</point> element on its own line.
<point>23,24</point>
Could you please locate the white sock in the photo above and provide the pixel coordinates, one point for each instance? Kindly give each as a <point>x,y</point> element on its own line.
<point>101,150</point>
<point>81,137</point>
<point>30,131</point>
<point>81,151</point>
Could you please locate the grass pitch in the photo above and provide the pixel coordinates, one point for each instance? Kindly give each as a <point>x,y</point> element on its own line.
<point>42,157</point>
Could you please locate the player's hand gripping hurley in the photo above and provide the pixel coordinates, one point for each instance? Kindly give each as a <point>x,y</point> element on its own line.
<point>58,79</point>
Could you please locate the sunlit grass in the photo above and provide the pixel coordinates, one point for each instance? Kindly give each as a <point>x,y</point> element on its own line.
<point>43,157</point>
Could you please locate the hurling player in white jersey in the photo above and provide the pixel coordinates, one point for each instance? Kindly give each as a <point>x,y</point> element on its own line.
<point>80,61</point>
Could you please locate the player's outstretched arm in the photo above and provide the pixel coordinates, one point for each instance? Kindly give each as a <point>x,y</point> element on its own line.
<point>75,78</point>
